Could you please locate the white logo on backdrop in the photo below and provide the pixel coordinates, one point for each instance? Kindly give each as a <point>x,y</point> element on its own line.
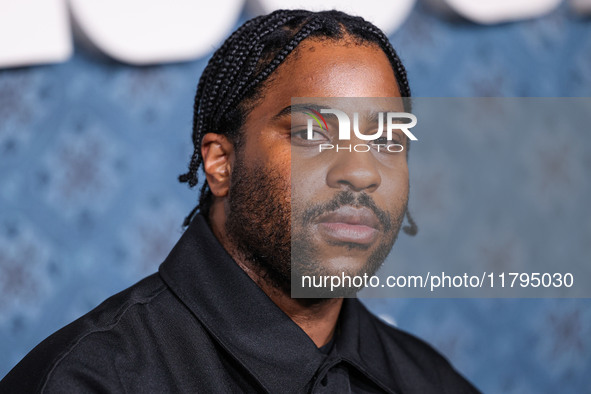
<point>157,31</point>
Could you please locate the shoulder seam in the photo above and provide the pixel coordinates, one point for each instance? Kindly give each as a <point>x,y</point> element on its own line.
<point>120,313</point>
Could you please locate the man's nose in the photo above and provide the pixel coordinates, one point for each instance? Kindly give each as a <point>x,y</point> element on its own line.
<point>357,171</point>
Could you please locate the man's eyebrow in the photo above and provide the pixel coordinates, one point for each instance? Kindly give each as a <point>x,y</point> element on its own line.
<point>306,107</point>
<point>374,116</point>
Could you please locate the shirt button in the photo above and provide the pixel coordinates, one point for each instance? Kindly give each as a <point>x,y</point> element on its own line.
<point>324,381</point>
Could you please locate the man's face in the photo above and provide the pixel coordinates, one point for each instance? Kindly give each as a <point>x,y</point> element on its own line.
<point>328,215</point>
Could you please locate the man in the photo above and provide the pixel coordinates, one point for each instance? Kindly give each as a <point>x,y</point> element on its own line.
<point>218,316</point>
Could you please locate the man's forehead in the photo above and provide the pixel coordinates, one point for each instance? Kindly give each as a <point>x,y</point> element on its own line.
<point>366,107</point>
<point>335,70</point>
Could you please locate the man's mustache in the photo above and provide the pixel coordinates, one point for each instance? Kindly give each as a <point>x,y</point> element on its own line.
<point>356,200</point>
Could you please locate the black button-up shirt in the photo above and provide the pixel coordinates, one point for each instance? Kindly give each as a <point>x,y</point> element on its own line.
<point>202,325</point>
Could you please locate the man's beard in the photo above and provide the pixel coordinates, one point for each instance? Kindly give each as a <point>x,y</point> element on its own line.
<point>259,224</point>
<point>304,255</point>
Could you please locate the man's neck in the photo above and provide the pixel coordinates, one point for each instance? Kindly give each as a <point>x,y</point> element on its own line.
<point>317,318</point>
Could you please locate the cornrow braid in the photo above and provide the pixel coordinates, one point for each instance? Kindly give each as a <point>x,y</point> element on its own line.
<point>235,75</point>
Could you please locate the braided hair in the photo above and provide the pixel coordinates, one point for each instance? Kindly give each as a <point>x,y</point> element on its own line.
<point>237,72</point>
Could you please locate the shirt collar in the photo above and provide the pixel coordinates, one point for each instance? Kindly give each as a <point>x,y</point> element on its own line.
<point>238,313</point>
<point>361,342</point>
<point>255,331</point>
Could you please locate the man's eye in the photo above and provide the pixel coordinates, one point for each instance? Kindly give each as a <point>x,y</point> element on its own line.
<point>384,141</point>
<point>303,135</point>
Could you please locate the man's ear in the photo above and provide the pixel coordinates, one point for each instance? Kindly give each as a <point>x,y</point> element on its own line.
<point>217,153</point>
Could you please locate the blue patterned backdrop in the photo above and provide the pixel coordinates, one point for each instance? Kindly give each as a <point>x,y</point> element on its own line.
<point>89,203</point>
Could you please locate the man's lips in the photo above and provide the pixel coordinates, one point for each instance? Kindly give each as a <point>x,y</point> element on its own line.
<point>349,224</point>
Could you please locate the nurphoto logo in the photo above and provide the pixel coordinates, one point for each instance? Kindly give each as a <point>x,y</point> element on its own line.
<point>394,121</point>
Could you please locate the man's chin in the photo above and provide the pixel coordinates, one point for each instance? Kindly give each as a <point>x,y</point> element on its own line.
<point>334,271</point>
<point>316,257</point>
